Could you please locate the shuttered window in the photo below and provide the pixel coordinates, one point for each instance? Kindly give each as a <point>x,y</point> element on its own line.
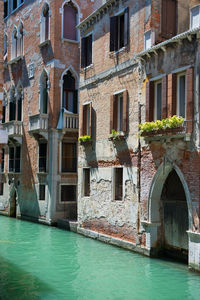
<point>42,157</point>
<point>14,159</point>
<point>158,101</point>
<point>69,157</point>
<point>181,95</point>
<point>86,121</point>
<point>118,183</point>
<point>119,31</point>
<point>86,51</point>
<point>119,112</point>
<point>168,18</point>
<point>86,180</point>
<point>69,22</point>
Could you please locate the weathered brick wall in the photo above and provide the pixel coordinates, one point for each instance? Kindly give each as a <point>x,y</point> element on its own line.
<point>1,62</point>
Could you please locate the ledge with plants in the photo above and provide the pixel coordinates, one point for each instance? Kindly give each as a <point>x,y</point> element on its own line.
<point>116,136</point>
<point>166,126</point>
<point>85,139</point>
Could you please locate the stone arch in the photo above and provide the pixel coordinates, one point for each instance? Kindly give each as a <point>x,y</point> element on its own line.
<point>45,22</point>
<point>156,189</point>
<point>43,92</point>
<point>14,43</point>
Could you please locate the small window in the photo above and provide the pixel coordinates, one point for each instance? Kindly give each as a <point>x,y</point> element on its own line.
<point>69,93</point>
<point>86,51</point>
<point>42,189</point>
<point>147,40</point>
<point>86,180</point>
<point>158,101</point>
<point>69,157</point>
<point>44,25</point>
<point>181,96</point>
<point>5,8</point>
<point>68,193</point>
<point>2,160</point>
<point>87,119</point>
<point>42,157</point>
<point>14,159</point>
<point>118,183</point>
<point>70,21</point>
<point>44,95</point>
<point>168,18</point>
<point>14,4</point>
<point>119,112</point>
<point>1,188</point>
<point>119,31</point>
<point>195,17</point>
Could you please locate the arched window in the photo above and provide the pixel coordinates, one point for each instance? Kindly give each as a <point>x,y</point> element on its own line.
<point>5,103</point>
<point>20,40</point>
<point>5,52</point>
<point>19,98</point>
<point>45,24</point>
<point>14,43</point>
<point>44,82</point>
<point>69,93</point>
<point>12,105</point>
<point>70,20</point>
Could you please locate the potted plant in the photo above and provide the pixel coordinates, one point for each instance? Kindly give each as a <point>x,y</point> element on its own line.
<point>116,136</point>
<point>85,139</point>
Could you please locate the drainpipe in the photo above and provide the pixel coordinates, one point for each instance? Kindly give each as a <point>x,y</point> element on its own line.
<point>139,167</point>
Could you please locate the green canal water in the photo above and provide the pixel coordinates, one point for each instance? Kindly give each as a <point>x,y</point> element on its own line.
<point>40,262</point>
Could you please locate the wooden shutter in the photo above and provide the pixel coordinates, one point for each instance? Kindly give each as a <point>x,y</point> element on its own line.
<point>125,111</point>
<point>83,53</point>
<point>113,33</point>
<point>171,95</point>
<point>126,26</point>
<point>113,112</point>
<point>69,30</point>
<point>190,99</point>
<point>82,120</point>
<point>90,123</point>
<point>149,101</point>
<point>168,25</point>
<point>164,97</point>
<point>89,50</point>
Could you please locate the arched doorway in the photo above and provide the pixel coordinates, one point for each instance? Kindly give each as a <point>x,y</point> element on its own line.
<point>174,218</point>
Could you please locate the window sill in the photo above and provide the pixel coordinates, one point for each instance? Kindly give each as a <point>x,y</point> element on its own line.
<point>44,43</point>
<point>88,67</point>
<point>68,202</point>
<point>68,173</point>
<point>42,173</point>
<point>15,60</point>
<point>70,41</point>
<point>115,53</point>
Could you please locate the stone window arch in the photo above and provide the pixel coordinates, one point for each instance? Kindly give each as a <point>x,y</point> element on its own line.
<point>45,23</point>
<point>70,19</point>
<point>44,92</point>
<point>19,96</point>
<point>20,40</point>
<point>5,46</point>
<point>12,104</point>
<point>5,103</point>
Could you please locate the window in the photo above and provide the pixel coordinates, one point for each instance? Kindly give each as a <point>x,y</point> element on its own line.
<point>147,40</point>
<point>181,96</point>
<point>4,107</point>
<point>14,159</point>
<point>118,111</point>
<point>15,104</point>
<point>2,160</point>
<point>118,183</point>
<point>42,157</point>
<point>86,51</point>
<point>16,3</point>
<point>20,41</point>
<point>119,31</point>
<point>168,18</point>
<point>5,53</point>
<point>14,43</point>
<point>5,8</point>
<point>42,188</point>
<point>70,18</point>
<point>68,193</point>
<point>1,188</point>
<point>69,93</point>
<point>195,17</point>
<point>86,120</point>
<point>69,157</point>
<point>44,93</point>
<point>158,101</point>
<point>86,181</point>
<point>45,24</point>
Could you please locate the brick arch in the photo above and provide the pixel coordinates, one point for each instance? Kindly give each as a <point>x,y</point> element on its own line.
<point>156,189</point>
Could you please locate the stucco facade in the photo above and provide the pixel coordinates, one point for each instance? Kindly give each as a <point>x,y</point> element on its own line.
<point>148,212</point>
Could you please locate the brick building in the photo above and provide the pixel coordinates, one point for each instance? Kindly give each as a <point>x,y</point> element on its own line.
<point>140,62</point>
<point>40,107</point>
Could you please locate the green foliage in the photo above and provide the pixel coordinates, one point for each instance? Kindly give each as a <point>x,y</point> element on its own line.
<point>172,122</point>
<point>84,138</point>
<point>115,135</point>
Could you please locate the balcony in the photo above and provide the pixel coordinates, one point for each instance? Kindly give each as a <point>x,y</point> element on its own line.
<point>38,126</point>
<point>183,131</point>
<point>14,130</point>
<point>70,122</point>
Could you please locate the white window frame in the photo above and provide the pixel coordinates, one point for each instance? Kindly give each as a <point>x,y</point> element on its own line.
<point>41,87</point>
<point>113,183</point>
<point>79,16</point>
<point>67,202</point>
<point>119,97</point>
<point>151,37</point>
<point>156,100</point>
<point>191,12</point>
<point>14,43</point>
<point>43,24</point>
<point>178,93</point>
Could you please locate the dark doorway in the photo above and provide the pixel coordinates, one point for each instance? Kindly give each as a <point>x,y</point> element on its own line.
<point>13,208</point>
<point>174,218</point>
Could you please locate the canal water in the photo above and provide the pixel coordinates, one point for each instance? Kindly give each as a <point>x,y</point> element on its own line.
<point>40,262</point>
